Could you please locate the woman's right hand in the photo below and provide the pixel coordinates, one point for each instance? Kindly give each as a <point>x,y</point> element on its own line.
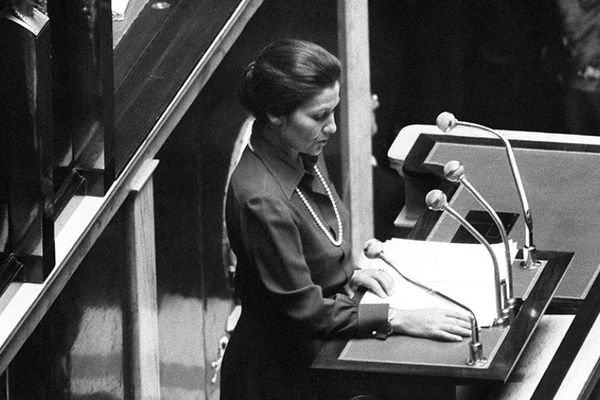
<point>433,323</point>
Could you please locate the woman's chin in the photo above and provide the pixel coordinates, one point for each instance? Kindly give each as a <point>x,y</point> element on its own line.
<point>317,149</point>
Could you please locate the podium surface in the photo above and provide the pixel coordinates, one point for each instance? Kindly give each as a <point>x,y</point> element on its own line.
<point>560,179</point>
<point>413,356</point>
<point>560,174</point>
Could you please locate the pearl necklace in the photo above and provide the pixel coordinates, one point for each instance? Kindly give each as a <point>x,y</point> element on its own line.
<point>312,212</point>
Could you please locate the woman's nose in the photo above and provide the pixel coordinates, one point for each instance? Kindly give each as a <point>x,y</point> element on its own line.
<point>330,127</point>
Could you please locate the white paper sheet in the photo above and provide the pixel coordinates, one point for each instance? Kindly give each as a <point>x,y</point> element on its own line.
<point>463,272</point>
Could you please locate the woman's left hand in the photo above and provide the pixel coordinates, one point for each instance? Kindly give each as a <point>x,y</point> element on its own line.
<point>379,281</point>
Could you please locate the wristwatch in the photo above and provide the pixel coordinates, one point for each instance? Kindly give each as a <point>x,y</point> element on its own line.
<point>391,314</point>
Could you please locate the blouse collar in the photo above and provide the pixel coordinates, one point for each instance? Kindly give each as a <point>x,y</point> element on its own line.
<point>288,172</point>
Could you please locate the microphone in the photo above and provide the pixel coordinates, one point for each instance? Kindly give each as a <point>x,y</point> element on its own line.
<point>446,122</point>
<point>373,248</point>
<point>455,172</point>
<point>436,200</point>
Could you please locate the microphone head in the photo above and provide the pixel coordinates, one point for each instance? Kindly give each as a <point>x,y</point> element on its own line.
<point>373,248</point>
<point>446,121</point>
<point>436,200</point>
<point>454,171</point>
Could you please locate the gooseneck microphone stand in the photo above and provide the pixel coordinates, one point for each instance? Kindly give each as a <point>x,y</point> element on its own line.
<point>446,122</point>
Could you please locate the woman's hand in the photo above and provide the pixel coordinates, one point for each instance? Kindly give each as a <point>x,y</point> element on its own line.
<point>432,323</point>
<point>378,281</point>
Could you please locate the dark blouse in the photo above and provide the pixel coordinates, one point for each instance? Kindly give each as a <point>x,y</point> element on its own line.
<point>290,278</point>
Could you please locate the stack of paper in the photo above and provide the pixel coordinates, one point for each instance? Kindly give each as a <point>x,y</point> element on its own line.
<point>463,272</point>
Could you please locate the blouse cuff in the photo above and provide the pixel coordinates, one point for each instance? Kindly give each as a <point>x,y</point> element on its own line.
<point>373,320</point>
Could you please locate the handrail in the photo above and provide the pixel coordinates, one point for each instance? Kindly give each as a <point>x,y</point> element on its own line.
<point>43,296</point>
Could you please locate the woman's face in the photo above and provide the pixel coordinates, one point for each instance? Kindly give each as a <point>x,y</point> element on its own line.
<point>308,128</point>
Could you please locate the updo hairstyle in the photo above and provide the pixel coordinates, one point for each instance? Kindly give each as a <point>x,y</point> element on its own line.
<point>286,74</point>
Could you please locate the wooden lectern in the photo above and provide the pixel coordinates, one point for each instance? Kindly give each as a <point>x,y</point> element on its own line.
<point>560,174</point>
<point>404,367</point>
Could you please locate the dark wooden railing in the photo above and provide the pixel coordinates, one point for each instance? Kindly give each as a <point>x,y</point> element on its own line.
<point>113,110</point>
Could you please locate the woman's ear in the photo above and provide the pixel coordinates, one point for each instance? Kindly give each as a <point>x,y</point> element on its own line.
<point>274,119</point>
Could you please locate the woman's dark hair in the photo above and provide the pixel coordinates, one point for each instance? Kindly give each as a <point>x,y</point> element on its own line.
<point>286,74</point>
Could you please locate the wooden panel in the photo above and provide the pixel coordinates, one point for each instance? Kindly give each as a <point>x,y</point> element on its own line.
<point>26,189</point>
<point>355,118</point>
<point>573,369</point>
<point>155,58</point>
<point>82,94</point>
<point>77,350</point>
<point>142,317</point>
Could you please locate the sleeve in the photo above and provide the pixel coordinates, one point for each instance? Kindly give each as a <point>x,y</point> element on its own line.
<point>272,239</point>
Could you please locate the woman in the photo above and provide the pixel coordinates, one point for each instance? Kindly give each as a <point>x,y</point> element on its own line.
<point>289,231</point>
